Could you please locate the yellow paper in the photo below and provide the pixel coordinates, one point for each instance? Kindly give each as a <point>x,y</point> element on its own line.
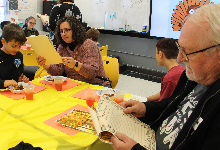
<point>43,47</point>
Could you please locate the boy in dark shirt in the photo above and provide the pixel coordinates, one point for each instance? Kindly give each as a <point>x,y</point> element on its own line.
<point>11,60</point>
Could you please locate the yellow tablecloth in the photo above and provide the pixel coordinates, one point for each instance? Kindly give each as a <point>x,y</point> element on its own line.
<point>22,120</point>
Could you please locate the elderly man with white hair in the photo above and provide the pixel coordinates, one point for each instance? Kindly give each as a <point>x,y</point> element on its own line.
<point>190,118</point>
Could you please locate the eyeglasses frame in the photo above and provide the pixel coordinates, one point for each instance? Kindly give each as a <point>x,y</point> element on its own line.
<point>67,30</point>
<point>185,54</point>
<point>32,23</point>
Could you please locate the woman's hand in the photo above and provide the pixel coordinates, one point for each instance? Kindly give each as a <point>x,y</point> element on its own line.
<point>69,62</point>
<point>23,78</point>
<point>10,83</point>
<point>41,61</point>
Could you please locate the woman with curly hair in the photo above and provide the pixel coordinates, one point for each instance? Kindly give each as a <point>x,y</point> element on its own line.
<point>62,9</point>
<point>81,57</point>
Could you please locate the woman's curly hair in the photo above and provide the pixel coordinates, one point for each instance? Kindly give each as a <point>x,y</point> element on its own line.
<point>78,31</point>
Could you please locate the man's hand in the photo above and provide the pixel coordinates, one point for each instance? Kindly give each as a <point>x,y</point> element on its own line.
<point>136,108</point>
<point>10,83</point>
<point>125,143</point>
<point>23,78</point>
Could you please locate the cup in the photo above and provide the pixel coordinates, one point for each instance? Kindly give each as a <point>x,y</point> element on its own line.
<point>90,98</point>
<point>119,96</point>
<point>28,46</point>
<point>58,81</point>
<point>29,92</point>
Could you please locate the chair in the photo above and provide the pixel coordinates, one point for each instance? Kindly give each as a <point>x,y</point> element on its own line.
<point>41,72</point>
<point>29,57</point>
<point>111,67</point>
<point>103,50</point>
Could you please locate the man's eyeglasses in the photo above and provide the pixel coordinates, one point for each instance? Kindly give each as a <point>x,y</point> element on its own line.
<point>186,54</point>
<point>65,31</point>
<point>33,23</point>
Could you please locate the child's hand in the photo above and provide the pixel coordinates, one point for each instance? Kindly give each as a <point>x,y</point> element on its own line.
<point>23,78</point>
<point>10,83</point>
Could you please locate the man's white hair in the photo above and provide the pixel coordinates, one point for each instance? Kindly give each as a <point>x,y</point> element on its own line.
<point>209,14</point>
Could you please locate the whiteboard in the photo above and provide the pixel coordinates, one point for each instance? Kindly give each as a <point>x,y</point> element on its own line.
<point>27,8</point>
<point>119,23</point>
<point>109,18</point>
<point>135,12</point>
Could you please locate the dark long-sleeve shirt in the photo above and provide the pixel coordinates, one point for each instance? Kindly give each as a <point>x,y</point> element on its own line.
<point>29,32</point>
<point>11,67</point>
<point>1,45</point>
<point>195,134</point>
<point>61,10</point>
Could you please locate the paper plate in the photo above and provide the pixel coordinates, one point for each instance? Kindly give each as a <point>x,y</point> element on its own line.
<point>108,91</point>
<point>12,88</point>
<point>50,78</point>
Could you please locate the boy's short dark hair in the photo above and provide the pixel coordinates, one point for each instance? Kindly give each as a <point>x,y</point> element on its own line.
<point>168,47</point>
<point>14,32</point>
<point>3,23</point>
<point>94,34</point>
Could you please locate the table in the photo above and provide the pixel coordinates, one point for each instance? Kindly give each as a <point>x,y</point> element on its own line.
<point>23,120</point>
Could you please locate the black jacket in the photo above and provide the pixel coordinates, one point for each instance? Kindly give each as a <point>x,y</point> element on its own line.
<point>1,45</point>
<point>11,67</point>
<point>207,135</point>
<point>61,10</point>
<point>29,32</point>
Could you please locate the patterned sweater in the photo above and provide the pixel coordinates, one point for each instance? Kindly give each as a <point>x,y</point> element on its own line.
<point>89,55</point>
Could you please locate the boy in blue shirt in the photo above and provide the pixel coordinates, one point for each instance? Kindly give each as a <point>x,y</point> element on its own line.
<point>11,60</point>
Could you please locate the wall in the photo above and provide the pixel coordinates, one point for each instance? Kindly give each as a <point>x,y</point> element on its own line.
<point>129,49</point>
<point>135,11</point>
<point>134,51</point>
<point>24,14</point>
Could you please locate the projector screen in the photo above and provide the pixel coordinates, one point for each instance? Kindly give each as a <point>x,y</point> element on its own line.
<point>167,15</point>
